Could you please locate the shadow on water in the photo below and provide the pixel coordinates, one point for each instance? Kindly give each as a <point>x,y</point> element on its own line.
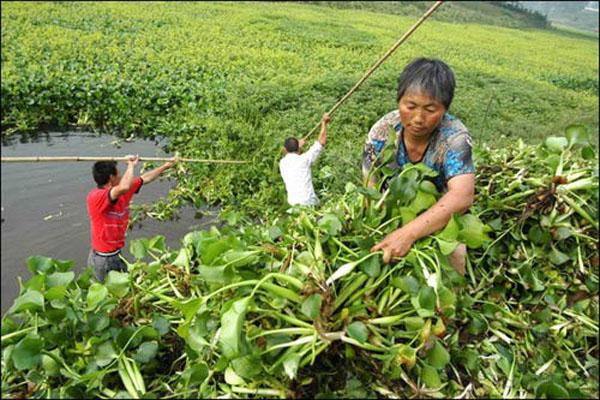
<point>44,210</point>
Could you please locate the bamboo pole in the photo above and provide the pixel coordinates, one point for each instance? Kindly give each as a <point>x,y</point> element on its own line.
<point>378,63</point>
<point>100,158</point>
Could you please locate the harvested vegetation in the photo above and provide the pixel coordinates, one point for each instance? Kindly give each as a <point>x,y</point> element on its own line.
<point>300,308</point>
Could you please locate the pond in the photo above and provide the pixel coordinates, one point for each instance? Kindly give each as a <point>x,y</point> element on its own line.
<point>44,209</point>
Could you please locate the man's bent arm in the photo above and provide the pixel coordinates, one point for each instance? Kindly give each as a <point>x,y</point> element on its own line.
<point>155,173</point>
<point>125,184</point>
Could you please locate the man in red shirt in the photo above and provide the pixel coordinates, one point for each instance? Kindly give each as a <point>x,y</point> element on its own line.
<point>108,208</point>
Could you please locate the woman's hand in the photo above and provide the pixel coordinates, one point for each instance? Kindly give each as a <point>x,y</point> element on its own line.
<point>395,245</point>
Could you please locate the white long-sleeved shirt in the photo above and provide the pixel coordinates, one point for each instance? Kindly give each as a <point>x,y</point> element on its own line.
<point>296,174</point>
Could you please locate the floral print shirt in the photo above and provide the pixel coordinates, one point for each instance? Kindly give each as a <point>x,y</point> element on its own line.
<point>448,151</point>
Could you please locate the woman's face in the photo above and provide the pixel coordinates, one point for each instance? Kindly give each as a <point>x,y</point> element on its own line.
<point>420,113</point>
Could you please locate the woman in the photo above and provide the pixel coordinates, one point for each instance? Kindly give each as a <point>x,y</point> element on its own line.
<point>425,132</point>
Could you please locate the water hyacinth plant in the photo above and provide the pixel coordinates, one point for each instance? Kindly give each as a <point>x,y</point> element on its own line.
<point>298,307</point>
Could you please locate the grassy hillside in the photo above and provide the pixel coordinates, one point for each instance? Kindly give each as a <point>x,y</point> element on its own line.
<point>233,80</point>
<point>458,12</point>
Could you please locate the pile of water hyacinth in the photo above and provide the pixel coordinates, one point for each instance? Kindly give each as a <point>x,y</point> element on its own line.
<point>299,307</point>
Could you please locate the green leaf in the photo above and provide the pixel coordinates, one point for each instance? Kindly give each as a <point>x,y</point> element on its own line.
<point>358,331</point>
<point>470,359</point>
<point>407,215</point>
<point>408,284</point>
<point>447,300</point>
<point>247,367</point>
<point>214,250</point>
<point>427,298</point>
<point>428,187</point>
<point>197,374</point>
<point>557,258</point>
<point>105,353</point>
<point>96,293</point>
<point>232,378</point>
<point>36,282</point>
<point>98,322</point>
<point>331,224</point>
<point>556,144</point>
<point>563,232</point>
<point>118,283</point>
<point>26,354</point>
<point>146,352</point>
<point>495,224</point>
<point>290,364</point>
<point>182,259</point>
<point>189,308</point>
<point>413,323</point>
<point>403,188</point>
<point>588,153</point>
<point>56,293</point>
<point>232,322</point>
<point>430,377</point>
<point>31,300</point>
<point>239,258</point>
<point>473,232</point>
<point>214,274</point>
<point>311,306</point>
<point>406,355</point>
<point>60,279</point>
<point>39,264</point>
<point>450,232</point>
<point>63,265</point>
<point>162,325</point>
<point>446,247</point>
<point>422,202</point>
<point>275,232</point>
<point>157,243</point>
<point>539,236</point>
<point>552,390</point>
<point>576,134</point>
<point>371,266</point>
<point>51,367</point>
<point>438,357</point>
<point>138,248</point>
<point>425,170</point>
<point>194,335</point>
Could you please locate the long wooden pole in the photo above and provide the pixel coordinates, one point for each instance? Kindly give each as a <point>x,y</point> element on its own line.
<point>99,158</point>
<point>378,63</point>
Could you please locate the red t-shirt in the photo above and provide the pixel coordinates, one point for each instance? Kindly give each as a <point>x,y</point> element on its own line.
<point>109,219</point>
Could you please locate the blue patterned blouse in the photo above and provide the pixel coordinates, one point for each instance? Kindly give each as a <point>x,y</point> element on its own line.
<point>448,151</point>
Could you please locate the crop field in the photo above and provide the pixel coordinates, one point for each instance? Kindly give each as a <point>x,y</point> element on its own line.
<point>224,80</point>
<point>295,305</point>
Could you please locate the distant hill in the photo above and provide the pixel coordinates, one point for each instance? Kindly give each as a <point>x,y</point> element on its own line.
<point>500,13</point>
<point>574,14</point>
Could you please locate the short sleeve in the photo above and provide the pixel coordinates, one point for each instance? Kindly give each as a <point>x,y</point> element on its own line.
<point>136,185</point>
<point>459,159</point>
<point>99,201</point>
<point>376,140</point>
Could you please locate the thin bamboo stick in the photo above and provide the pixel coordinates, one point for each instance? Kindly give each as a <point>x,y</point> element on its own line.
<point>100,158</point>
<point>378,63</point>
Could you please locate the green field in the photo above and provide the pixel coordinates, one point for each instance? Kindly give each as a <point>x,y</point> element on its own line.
<point>291,303</point>
<point>225,80</point>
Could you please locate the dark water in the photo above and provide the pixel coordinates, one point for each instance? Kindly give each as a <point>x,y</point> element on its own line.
<point>44,204</point>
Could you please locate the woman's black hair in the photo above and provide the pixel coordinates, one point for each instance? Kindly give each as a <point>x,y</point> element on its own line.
<point>429,76</point>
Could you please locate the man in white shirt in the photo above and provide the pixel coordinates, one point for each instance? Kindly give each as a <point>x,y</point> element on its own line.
<point>295,167</point>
